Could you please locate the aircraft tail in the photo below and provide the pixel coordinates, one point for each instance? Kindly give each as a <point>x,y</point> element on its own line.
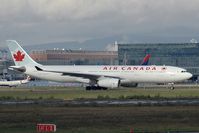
<point>19,55</point>
<point>146,59</point>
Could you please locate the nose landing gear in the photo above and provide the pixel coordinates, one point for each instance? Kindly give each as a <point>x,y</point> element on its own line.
<point>171,86</point>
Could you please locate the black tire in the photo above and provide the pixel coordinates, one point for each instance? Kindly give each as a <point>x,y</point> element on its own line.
<point>88,88</point>
<point>172,88</point>
<point>104,88</point>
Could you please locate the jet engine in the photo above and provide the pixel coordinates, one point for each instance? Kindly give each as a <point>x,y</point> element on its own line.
<point>109,82</point>
<point>129,84</point>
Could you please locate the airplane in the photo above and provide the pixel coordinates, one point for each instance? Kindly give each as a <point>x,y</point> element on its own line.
<point>103,77</point>
<point>14,83</point>
<point>146,60</point>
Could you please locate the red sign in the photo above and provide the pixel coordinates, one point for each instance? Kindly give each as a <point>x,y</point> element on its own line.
<point>46,128</point>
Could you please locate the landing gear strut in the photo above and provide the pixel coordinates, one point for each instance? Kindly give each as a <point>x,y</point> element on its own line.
<point>95,88</point>
<point>171,86</point>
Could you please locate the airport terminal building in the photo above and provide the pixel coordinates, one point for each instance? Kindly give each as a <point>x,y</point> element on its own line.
<point>184,55</point>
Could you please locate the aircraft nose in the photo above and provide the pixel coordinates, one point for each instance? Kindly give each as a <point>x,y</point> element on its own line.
<point>188,75</point>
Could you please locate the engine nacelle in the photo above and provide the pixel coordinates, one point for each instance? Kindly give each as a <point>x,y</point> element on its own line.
<point>129,84</point>
<point>109,82</point>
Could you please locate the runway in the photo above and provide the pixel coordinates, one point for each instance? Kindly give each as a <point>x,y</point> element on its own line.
<point>133,102</point>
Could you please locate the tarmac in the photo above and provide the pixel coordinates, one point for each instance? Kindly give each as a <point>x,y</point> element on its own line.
<point>131,102</point>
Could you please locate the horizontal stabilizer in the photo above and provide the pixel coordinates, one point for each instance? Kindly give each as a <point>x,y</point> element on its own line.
<point>18,68</point>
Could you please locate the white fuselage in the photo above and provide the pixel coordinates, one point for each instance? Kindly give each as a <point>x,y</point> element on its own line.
<point>126,74</point>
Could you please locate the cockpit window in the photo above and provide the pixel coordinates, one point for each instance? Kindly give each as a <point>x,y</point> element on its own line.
<point>183,71</point>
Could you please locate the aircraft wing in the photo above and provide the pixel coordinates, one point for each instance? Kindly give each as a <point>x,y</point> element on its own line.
<point>82,75</point>
<point>88,76</point>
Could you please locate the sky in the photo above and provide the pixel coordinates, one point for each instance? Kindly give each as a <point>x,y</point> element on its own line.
<point>44,21</point>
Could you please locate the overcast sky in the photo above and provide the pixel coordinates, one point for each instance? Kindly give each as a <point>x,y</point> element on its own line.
<point>42,21</point>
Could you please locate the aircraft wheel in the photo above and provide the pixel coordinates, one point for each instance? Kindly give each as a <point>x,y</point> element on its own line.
<point>172,88</point>
<point>88,88</point>
<point>104,88</point>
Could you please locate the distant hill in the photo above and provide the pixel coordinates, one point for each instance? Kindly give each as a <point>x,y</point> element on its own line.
<point>96,44</point>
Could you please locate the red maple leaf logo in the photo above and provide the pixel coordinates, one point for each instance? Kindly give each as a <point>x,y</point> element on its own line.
<point>19,56</point>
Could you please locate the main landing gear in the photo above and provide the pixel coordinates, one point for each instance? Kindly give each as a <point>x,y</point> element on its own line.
<point>95,88</point>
